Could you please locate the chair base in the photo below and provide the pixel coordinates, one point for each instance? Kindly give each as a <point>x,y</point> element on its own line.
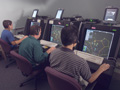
<point>9,64</point>
<point>22,84</point>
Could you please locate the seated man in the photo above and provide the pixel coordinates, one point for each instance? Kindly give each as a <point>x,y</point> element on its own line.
<point>8,36</point>
<point>66,61</point>
<point>31,49</point>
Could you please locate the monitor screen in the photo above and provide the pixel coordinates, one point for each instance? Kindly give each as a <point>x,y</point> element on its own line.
<point>56,34</point>
<point>98,42</point>
<point>35,12</point>
<point>59,14</point>
<point>110,14</point>
<point>35,23</point>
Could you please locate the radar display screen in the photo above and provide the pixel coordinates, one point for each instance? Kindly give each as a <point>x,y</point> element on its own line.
<point>56,34</point>
<point>98,42</point>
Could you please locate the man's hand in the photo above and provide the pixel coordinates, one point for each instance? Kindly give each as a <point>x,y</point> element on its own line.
<point>104,67</point>
<point>50,50</point>
<point>24,37</point>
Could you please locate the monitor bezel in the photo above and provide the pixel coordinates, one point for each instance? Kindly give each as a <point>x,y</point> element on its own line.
<point>117,10</point>
<point>61,14</point>
<point>36,13</point>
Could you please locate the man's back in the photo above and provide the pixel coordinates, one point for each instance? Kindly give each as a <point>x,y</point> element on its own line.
<point>65,61</point>
<point>7,36</point>
<point>31,49</point>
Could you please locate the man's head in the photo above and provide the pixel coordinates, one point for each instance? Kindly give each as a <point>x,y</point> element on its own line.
<point>8,24</point>
<point>35,30</point>
<point>69,35</point>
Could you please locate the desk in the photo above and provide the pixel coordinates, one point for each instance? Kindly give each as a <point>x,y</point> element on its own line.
<point>109,72</point>
<point>19,36</point>
<point>104,79</point>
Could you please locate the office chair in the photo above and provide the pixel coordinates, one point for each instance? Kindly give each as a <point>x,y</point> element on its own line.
<point>26,68</point>
<point>6,52</point>
<point>60,81</point>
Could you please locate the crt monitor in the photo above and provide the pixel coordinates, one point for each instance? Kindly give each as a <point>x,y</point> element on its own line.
<point>35,23</point>
<point>35,12</point>
<point>98,42</point>
<point>56,34</point>
<point>59,14</point>
<point>111,14</point>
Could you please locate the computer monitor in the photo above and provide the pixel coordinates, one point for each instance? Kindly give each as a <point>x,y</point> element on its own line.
<point>35,23</point>
<point>98,42</point>
<point>97,38</point>
<point>35,12</point>
<point>111,14</point>
<point>59,14</point>
<point>56,34</point>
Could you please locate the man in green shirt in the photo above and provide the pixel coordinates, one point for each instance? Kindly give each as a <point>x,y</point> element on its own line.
<point>31,49</point>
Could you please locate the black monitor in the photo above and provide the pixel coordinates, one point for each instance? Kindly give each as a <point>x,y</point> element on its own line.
<point>98,42</point>
<point>56,34</point>
<point>35,12</point>
<point>35,23</point>
<point>59,14</point>
<point>110,14</point>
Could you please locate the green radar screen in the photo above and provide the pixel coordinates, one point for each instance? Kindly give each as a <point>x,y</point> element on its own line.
<point>98,42</point>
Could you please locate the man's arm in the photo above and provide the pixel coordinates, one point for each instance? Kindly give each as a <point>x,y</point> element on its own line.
<point>101,69</point>
<point>39,55</point>
<point>18,41</point>
<point>50,50</point>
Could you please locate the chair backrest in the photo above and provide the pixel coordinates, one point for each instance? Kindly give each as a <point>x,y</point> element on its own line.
<point>23,64</point>
<point>5,46</point>
<point>60,81</point>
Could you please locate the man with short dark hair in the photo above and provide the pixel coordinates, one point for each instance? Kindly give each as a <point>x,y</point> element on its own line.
<point>31,49</point>
<point>8,36</point>
<point>66,61</point>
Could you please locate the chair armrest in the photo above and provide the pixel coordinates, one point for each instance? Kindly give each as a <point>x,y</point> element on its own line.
<point>91,86</point>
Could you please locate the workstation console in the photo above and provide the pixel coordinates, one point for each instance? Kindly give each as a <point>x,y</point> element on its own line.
<point>102,43</point>
<point>35,20</point>
<point>54,27</point>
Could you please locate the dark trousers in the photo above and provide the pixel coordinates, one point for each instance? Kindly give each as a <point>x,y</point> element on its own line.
<point>42,65</point>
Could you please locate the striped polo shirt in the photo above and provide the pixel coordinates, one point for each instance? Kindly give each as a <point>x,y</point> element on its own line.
<point>66,61</point>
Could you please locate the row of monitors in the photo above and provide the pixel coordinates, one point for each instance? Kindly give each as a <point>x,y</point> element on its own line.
<point>58,14</point>
<point>101,41</point>
<point>109,15</point>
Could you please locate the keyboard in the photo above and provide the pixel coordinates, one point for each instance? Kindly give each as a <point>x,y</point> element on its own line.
<point>48,43</point>
<point>89,57</point>
<point>19,36</point>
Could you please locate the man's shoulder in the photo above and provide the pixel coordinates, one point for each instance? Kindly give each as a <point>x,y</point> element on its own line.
<point>71,54</point>
<point>56,51</point>
<point>6,32</point>
<point>30,41</point>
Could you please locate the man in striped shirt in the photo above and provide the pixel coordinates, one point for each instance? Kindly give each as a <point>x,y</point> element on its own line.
<point>66,61</point>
